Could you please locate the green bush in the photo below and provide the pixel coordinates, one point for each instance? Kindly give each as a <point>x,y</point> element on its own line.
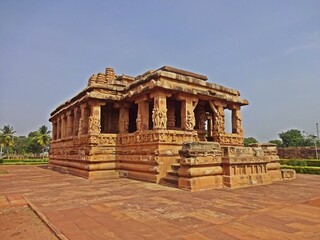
<point>315,162</point>
<point>304,170</point>
<point>294,162</point>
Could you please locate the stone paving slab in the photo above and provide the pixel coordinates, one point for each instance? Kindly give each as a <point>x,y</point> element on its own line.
<point>127,209</point>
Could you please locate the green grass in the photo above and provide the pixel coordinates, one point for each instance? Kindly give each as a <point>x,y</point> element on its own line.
<point>301,162</point>
<point>23,161</point>
<point>303,169</point>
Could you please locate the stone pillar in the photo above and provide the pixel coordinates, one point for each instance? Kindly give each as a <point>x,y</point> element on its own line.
<point>94,118</point>
<point>159,112</point>
<point>76,118</point>
<point>84,119</point>
<point>58,127</point>
<point>209,126</point>
<point>63,126</point>
<point>142,120</point>
<point>218,117</point>
<point>171,114</point>
<point>54,130</point>
<point>143,113</point>
<point>69,123</point>
<point>237,121</point>
<point>188,105</point>
<point>124,118</point>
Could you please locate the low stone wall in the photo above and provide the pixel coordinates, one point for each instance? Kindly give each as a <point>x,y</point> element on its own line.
<point>207,165</point>
<point>297,153</point>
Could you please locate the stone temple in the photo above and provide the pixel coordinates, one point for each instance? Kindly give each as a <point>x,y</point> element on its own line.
<point>165,126</point>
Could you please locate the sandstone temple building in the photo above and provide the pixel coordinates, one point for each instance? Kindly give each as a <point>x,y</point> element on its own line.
<point>165,126</point>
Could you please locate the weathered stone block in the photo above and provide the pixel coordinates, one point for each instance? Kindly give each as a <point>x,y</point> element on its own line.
<point>200,183</point>
<point>288,174</point>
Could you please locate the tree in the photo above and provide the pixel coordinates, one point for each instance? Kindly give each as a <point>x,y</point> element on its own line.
<point>6,137</point>
<point>42,137</point>
<point>292,138</point>
<point>249,140</point>
<point>277,142</point>
<point>21,145</point>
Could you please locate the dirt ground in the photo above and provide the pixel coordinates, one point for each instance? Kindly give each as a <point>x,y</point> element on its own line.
<point>22,223</point>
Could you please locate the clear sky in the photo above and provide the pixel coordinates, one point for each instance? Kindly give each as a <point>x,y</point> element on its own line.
<point>268,50</point>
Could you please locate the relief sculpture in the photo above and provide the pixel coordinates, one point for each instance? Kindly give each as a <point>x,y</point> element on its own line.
<point>94,125</point>
<point>191,121</point>
<point>159,118</point>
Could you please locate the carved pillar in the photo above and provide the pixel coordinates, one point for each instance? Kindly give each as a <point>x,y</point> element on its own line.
<point>220,120</point>
<point>218,117</point>
<point>58,127</point>
<point>123,116</point>
<point>54,130</point>
<point>63,126</point>
<point>143,113</point>
<point>76,117</point>
<point>84,119</point>
<point>69,123</point>
<point>171,114</point>
<point>237,121</point>
<point>201,117</point>
<point>209,126</point>
<point>94,118</point>
<point>187,111</point>
<point>159,112</point>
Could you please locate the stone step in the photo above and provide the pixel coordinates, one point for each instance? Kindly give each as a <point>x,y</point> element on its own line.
<point>175,166</point>
<point>172,173</point>
<point>170,181</point>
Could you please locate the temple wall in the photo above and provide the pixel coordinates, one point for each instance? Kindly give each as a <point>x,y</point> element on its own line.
<point>81,157</point>
<point>298,153</point>
<point>145,156</point>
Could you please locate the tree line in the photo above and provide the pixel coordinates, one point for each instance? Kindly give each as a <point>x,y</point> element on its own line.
<point>36,144</point>
<point>290,138</point>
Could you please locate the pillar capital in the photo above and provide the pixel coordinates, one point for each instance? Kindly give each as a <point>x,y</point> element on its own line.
<point>141,98</point>
<point>160,93</point>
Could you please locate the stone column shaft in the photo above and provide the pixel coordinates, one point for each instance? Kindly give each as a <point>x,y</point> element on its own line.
<point>187,115</point>
<point>94,118</point>
<point>69,123</point>
<point>159,112</point>
<point>75,121</point>
<point>123,120</point>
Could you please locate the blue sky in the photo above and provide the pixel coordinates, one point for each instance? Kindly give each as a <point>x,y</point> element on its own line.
<point>268,50</point>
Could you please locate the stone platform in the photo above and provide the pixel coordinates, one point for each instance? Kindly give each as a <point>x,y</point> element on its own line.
<point>78,208</point>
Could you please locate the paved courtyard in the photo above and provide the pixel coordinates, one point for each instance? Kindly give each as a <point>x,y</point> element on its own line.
<point>126,209</point>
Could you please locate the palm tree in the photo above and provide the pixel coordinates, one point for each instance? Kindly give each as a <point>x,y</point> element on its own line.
<point>6,137</point>
<point>42,137</point>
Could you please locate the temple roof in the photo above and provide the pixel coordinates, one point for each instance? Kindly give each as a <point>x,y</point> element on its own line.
<point>109,86</point>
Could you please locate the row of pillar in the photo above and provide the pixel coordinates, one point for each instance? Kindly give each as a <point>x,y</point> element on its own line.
<point>77,121</point>
<point>85,119</point>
